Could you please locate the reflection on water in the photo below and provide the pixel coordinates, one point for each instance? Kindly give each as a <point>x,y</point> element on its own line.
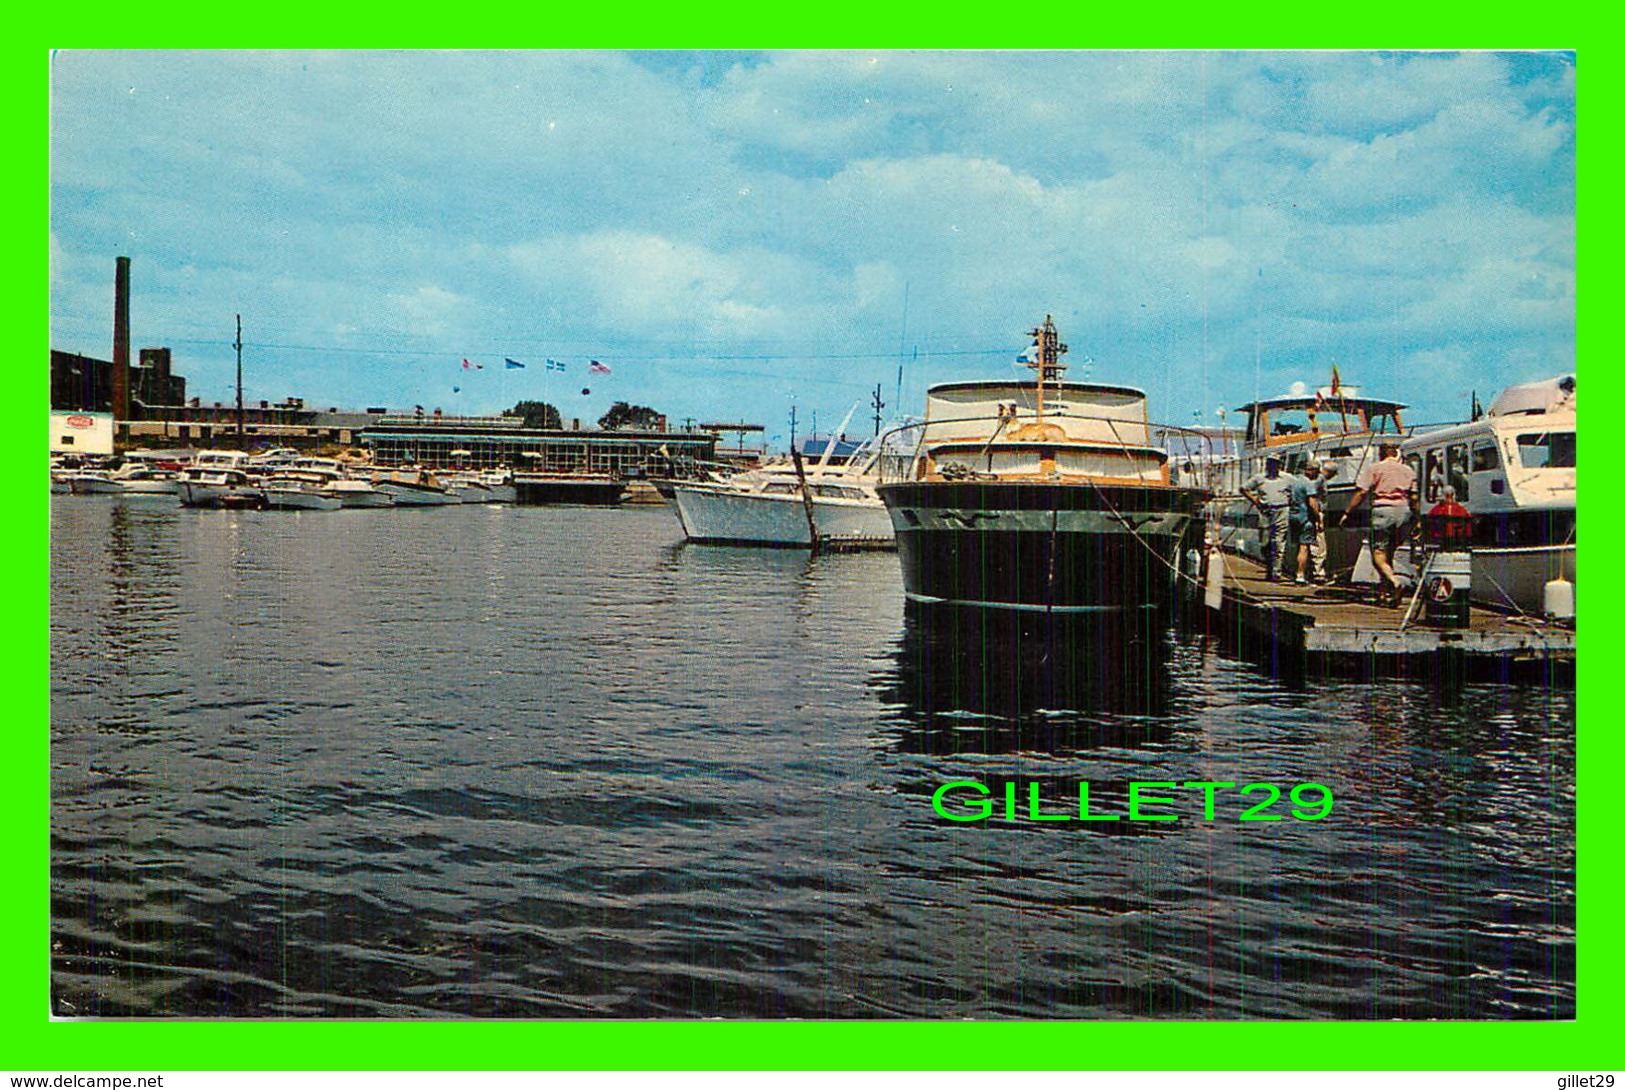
<point>534,762</point>
<point>991,680</point>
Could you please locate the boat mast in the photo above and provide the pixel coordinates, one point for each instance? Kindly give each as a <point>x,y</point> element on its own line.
<point>1048,362</point>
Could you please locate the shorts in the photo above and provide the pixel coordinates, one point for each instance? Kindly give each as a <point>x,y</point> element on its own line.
<point>1388,521</point>
<point>1303,532</point>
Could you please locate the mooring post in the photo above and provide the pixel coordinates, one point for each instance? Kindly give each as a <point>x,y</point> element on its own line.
<point>806,498</point>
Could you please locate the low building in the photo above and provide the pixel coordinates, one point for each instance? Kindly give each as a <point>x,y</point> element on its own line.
<point>437,441</point>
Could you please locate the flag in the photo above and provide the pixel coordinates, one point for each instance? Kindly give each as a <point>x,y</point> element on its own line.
<point>466,364</point>
<point>513,365</point>
<point>456,389</point>
<point>597,368</point>
<point>1337,382</point>
<point>554,365</point>
<point>1478,410</point>
<point>1030,355</point>
<point>585,391</point>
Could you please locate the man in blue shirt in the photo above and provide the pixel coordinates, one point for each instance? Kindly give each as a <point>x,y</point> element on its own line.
<point>1307,513</point>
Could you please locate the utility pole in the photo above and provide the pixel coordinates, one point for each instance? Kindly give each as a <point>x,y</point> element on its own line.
<point>239,346</point>
<point>879,404</point>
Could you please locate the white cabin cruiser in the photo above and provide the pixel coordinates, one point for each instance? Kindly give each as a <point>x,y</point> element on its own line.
<point>1043,495</point>
<point>413,487</point>
<point>219,486</point>
<point>777,505</point>
<point>1513,468</point>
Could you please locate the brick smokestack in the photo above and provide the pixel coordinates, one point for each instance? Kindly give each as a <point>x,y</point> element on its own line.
<point>121,342</point>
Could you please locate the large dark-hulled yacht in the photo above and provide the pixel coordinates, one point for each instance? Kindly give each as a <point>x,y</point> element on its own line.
<point>1041,495</point>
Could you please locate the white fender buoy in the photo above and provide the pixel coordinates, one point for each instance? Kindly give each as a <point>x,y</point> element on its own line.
<point>1214,596</point>
<point>1557,599</point>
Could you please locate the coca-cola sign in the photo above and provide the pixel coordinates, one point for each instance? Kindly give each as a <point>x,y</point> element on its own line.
<point>81,422</point>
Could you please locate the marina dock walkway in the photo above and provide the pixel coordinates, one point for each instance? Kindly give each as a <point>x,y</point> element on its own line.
<point>1341,626</point>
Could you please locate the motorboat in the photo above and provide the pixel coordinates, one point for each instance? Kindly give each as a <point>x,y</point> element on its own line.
<point>358,492</point>
<point>90,482</point>
<point>296,491</point>
<point>1513,468</point>
<point>410,486</point>
<point>782,505</point>
<point>477,486</point>
<point>1041,495</point>
<point>219,486</point>
<point>1335,425</point>
<point>499,485</point>
<point>141,479</point>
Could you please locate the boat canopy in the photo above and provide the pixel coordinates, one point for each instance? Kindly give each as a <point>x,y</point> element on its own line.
<point>1296,417</point>
<point>1530,398</point>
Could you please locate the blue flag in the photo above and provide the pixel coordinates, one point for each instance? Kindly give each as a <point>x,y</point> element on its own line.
<point>554,365</point>
<point>513,364</point>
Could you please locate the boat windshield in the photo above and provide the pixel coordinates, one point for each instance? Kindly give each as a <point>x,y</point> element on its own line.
<point>1546,450</point>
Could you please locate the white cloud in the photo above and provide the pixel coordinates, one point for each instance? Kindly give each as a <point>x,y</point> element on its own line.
<point>1178,212</point>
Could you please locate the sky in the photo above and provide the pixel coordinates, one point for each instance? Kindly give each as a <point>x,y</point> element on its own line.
<point>737,236</point>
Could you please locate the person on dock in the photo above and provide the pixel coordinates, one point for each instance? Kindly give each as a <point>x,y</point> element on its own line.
<point>1308,517</point>
<point>1271,494</point>
<point>1391,484</point>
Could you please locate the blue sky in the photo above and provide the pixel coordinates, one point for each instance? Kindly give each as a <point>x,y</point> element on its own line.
<point>736,232</point>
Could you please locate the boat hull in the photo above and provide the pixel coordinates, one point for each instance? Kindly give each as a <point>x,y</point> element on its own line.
<point>720,516</point>
<point>297,499</point>
<point>595,491</point>
<point>362,497</point>
<point>404,495</point>
<point>150,488</point>
<point>90,485</point>
<point>1054,547</point>
<point>226,496</point>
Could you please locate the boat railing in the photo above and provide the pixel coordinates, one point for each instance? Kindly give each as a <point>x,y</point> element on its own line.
<point>899,450</point>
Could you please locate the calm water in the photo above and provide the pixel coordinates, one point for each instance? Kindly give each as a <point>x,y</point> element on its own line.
<point>551,762</point>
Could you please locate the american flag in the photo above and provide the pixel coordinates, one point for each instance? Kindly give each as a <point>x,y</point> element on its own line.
<point>597,368</point>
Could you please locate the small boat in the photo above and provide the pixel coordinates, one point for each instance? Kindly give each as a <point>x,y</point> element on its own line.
<point>1041,495</point>
<point>299,492</point>
<point>1513,468</point>
<point>216,486</point>
<point>357,492</point>
<point>90,482</point>
<point>140,479</point>
<point>499,486</point>
<point>488,486</point>
<point>411,487</point>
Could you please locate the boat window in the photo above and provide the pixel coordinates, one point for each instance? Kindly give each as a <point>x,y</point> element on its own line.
<point>1456,470</point>
<point>1547,450</point>
<point>780,488</point>
<point>837,491</point>
<point>1485,456</point>
<point>1435,476</point>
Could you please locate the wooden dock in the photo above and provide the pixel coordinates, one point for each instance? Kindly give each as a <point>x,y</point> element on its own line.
<point>1341,629</point>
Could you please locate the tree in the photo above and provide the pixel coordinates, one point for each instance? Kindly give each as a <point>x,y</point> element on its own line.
<point>622,415</point>
<point>537,414</point>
